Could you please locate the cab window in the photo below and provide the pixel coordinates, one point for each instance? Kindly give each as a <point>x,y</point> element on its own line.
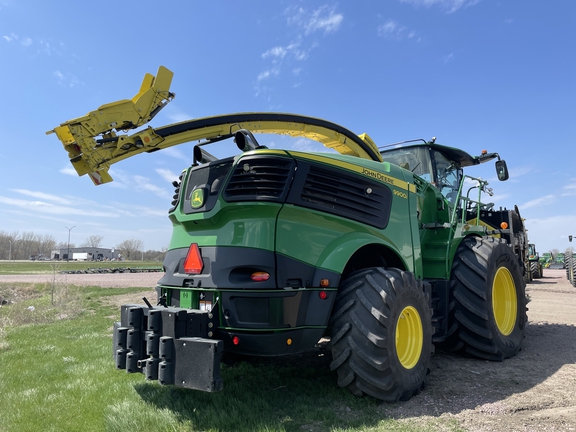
<point>446,176</point>
<point>413,159</point>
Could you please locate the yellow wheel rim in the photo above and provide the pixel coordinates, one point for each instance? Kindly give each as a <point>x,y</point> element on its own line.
<point>504,302</point>
<point>409,337</point>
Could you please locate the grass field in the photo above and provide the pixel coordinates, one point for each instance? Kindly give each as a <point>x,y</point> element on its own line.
<point>57,374</point>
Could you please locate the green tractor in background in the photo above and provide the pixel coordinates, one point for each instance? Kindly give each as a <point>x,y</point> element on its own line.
<point>546,259</point>
<point>387,251</point>
<point>536,267</point>
<point>558,262</point>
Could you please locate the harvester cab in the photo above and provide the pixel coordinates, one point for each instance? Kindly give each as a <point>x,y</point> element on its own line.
<point>386,251</point>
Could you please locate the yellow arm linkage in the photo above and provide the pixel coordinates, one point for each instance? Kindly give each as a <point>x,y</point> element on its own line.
<point>78,135</point>
<point>94,157</point>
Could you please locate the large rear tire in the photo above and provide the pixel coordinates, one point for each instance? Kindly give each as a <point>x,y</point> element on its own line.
<point>381,334</point>
<point>489,293</point>
<point>571,269</point>
<point>535,269</point>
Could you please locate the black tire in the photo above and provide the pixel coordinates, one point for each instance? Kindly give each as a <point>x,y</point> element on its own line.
<point>535,269</point>
<point>527,273</point>
<point>541,267</point>
<point>489,294</point>
<point>373,306</point>
<point>572,270</point>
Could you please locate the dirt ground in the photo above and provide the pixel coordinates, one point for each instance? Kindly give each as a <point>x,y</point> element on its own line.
<point>534,391</point>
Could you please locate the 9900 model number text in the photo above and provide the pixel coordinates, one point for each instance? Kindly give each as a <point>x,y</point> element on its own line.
<point>400,194</point>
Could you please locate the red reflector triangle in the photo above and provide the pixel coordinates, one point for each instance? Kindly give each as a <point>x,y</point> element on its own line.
<point>193,263</point>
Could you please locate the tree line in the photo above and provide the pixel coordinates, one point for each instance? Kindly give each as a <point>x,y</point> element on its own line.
<point>21,246</point>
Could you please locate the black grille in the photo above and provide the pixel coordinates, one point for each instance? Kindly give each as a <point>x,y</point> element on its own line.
<point>260,179</point>
<point>343,194</point>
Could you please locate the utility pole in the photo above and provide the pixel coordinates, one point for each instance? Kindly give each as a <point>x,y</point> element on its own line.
<point>10,252</point>
<point>68,254</point>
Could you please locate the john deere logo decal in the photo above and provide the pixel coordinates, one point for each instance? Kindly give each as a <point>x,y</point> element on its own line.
<point>197,198</point>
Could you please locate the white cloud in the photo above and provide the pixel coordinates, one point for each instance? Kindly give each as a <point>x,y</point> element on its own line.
<point>174,115</point>
<point>448,58</point>
<point>323,19</point>
<point>519,171</point>
<point>570,189</point>
<point>48,208</point>
<point>10,38</point>
<point>538,202</point>
<point>263,75</point>
<point>268,73</point>
<point>45,196</point>
<point>176,153</point>
<point>391,29</point>
<point>278,52</point>
<point>307,145</point>
<point>300,53</point>
<point>449,6</point>
<point>44,47</point>
<point>149,211</point>
<point>123,180</point>
<point>66,80</point>
<point>69,170</point>
<point>167,174</point>
<point>144,183</point>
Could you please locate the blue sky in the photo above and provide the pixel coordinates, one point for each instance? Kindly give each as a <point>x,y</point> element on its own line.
<point>476,74</point>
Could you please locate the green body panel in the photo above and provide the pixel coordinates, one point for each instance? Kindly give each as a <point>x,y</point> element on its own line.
<point>328,241</point>
<point>228,224</point>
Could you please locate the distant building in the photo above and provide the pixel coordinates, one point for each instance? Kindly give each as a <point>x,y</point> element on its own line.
<point>85,254</point>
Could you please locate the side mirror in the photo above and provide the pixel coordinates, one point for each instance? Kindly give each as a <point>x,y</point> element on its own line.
<point>502,170</point>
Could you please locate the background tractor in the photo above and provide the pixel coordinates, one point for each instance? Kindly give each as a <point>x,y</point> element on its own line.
<point>385,251</point>
<point>546,259</point>
<point>558,262</point>
<point>536,268</point>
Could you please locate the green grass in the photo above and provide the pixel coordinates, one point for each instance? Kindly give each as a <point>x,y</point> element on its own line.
<point>33,267</point>
<point>58,375</point>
